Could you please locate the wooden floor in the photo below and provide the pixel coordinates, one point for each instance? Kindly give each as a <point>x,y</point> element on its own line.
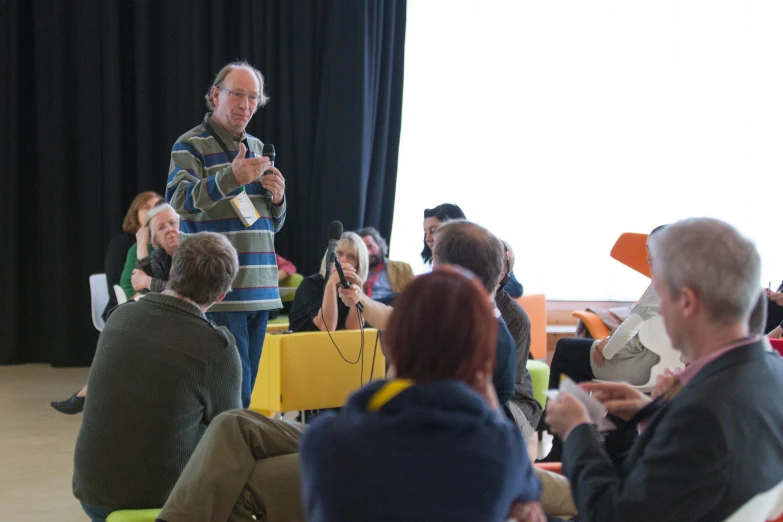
<point>36,443</point>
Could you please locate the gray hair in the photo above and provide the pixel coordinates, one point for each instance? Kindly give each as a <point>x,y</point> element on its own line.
<point>462,243</point>
<point>377,237</point>
<point>203,268</point>
<point>161,206</point>
<point>354,242</point>
<point>262,97</point>
<point>714,260</point>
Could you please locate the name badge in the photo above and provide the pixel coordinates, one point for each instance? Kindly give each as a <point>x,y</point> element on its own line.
<point>245,209</point>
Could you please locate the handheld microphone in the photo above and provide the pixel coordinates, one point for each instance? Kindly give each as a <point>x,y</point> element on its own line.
<point>344,282</point>
<point>335,232</point>
<point>269,152</point>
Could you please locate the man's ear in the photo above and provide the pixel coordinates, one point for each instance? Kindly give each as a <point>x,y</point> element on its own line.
<point>221,297</point>
<point>214,94</point>
<point>689,302</point>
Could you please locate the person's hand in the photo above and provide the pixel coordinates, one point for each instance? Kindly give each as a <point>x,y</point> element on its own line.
<point>602,343</point>
<point>664,383</point>
<point>274,182</point>
<point>247,170</point>
<point>350,275</point>
<point>619,399</point>
<point>143,236</point>
<point>140,280</point>
<point>598,354</point>
<point>350,296</point>
<point>565,413</point>
<point>334,278</point>
<point>527,512</point>
<point>776,297</point>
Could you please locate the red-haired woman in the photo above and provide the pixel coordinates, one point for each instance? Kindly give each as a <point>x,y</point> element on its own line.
<point>429,443</point>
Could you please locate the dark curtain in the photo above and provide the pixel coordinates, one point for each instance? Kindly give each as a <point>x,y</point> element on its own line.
<point>95,92</point>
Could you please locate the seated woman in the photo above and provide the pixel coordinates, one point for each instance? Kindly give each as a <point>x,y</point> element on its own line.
<point>620,357</point>
<point>316,305</point>
<point>152,269</point>
<point>430,443</point>
<point>433,217</point>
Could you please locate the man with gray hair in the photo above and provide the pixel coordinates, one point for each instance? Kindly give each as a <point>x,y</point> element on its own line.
<point>219,181</point>
<point>712,438</point>
<point>161,373</point>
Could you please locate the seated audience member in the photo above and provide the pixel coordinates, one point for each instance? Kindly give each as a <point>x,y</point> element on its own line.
<point>620,357</point>
<point>316,306</point>
<point>113,263</point>
<point>774,308</point>
<point>475,248</point>
<point>524,407</point>
<point>285,268</point>
<point>131,258</point>
<point>117,251</point>
<point>161,373</point>
<point>433,217</point>
<point>428,444</point>
<point>385,277</point>
<point>152,268</point>
<point>712,439</point>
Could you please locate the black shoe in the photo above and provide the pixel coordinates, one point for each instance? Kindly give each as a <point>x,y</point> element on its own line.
<point>71,406</point>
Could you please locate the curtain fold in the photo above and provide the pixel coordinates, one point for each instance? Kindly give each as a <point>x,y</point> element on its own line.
<point>96,92</point>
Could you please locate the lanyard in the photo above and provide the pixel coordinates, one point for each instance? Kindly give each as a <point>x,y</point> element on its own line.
<point>211,131</point>
<point>371,282</point>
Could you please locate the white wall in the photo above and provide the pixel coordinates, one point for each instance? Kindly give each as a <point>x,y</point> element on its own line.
<point>560,125</point>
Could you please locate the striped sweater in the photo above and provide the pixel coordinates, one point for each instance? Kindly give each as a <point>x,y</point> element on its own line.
<point>200,187</point>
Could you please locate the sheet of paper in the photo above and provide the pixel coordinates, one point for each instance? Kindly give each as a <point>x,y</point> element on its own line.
<point>595,409</point>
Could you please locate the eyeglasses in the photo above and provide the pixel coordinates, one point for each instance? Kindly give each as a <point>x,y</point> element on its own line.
<point>241,95</point>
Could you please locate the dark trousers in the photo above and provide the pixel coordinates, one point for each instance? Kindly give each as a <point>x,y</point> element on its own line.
<point>774,316</point>
<point>572,358</point>
<point>249,330</point>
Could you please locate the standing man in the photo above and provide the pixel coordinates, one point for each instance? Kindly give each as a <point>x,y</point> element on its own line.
<point>385,277</point>
<point>220,182</point>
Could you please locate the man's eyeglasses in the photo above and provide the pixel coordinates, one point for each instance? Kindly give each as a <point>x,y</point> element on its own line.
<point>240,95</point>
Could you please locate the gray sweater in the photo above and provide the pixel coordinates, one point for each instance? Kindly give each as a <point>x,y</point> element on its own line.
<point>161,373</point>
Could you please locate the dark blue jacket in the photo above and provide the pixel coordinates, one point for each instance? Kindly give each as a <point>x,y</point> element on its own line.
<point>433,452</point>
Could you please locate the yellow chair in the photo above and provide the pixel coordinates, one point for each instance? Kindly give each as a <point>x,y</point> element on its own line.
<point>134,515</point>
<point>305,371</point>
<point>535,307</point>
<point>539,375</point>
<point>276,327</point>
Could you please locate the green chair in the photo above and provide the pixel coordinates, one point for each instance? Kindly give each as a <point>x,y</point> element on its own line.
<point>539,374</point>
<point>292,281</point>
<point>134,515</point>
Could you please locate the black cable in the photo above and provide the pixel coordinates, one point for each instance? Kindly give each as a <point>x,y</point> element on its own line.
<point>374,351</point>
<point>334,343</point>
<point>361,346</point>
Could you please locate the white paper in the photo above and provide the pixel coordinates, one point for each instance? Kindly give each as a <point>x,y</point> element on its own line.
<point>595,410</point>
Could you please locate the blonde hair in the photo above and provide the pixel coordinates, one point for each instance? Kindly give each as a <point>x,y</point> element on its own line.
<point>354,242</point>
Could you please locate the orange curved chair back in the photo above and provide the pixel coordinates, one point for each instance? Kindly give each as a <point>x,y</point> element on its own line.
<point>631,250</point>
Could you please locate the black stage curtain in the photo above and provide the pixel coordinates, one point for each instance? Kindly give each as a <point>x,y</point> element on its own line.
<point>95,92</point>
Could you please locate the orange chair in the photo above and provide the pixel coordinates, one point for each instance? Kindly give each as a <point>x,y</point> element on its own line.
<point>535,306</point>
<point>631,250</point>
<point>554,467</point>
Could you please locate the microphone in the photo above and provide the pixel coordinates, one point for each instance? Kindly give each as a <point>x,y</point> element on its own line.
<point>335,232</point>
<point>344,282</point>
<point>269,152</point>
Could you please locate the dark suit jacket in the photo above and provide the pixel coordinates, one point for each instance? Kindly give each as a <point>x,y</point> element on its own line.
<point>704,453</point>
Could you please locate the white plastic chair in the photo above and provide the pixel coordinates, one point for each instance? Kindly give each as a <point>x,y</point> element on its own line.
<point>99,298</point>
<point>764,506</point>
<point>119,293</point>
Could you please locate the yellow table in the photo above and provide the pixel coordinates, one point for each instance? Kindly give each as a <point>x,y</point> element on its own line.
<point>304,371</point>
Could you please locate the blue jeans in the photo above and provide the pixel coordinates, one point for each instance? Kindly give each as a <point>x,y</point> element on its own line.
<point>96,514</point>
<point>249,330</point>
